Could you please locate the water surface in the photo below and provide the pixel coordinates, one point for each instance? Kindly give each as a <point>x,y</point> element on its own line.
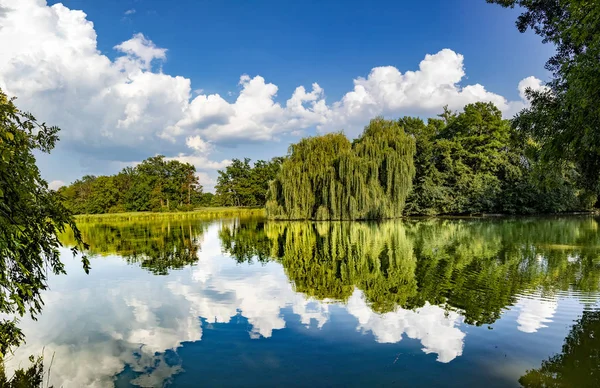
<point>246,302</point>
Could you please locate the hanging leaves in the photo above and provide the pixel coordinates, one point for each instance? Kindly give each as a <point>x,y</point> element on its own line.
<point>329,178</point>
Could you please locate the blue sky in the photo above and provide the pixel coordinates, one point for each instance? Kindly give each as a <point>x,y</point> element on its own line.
<point>211,44</point>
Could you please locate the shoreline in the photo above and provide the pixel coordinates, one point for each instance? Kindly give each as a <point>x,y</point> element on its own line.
<point>258,211</point>
<point>148,216</point>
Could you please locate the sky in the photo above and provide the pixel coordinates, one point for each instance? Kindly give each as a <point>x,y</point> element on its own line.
<point>205,82</point>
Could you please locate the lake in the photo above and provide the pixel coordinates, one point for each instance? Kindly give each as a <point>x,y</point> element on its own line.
<point>249,302</point>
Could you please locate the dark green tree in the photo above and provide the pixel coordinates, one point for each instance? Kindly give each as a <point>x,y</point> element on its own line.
<point>31,217</point>
<point>155,184</point>
<point>565,117</point>
<point>242,184</point>
<point>476,162</point>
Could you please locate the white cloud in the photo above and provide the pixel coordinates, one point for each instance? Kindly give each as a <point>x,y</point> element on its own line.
<point>208,182</point>
<point>197,144</point>
<point>55,185</point>
<point>530,82</point>
<point>127,108</point>
<point>141,48</point>
<point>199,157</point>
<point>201,161</point>
<point>386,91</point>
<point>130,11</point>
<point>50,61</point>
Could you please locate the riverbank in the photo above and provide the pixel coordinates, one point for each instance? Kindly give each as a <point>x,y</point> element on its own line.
<point>208,212</point>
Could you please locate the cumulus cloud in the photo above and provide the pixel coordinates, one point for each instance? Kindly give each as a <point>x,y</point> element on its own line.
<point>199,155</point>
<point>130,12</point>
<point>55,185</point>
<point>530,83</point>
<point>126,109</point>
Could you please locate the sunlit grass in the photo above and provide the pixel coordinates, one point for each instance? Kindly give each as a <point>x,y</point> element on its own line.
<point>208,212</point>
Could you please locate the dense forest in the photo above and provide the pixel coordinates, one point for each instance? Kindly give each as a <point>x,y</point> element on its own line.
<point>465,163</point>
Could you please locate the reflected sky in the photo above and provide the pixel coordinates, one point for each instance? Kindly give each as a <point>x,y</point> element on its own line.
<point>122,325</point>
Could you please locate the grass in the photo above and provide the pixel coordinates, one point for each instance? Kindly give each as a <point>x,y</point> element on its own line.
<point>207,212</point>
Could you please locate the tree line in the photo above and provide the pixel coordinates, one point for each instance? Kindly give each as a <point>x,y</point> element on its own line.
<point>159,184</point>
<point>470,162</point>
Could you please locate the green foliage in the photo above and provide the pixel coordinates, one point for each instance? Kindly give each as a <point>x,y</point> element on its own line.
<point>565,117</point>
<point>241,184</point>
<point>156,184</point>
<point>30,377</point>
<point>31,216</point>
<point>475,162</point>
<point>329,178</point>
<point>471,162</point>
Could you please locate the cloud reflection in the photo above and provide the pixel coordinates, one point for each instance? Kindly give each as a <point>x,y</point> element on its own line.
<point>120,317</point>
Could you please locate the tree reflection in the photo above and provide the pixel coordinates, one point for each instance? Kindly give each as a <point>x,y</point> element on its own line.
<point>579,363</point>
<point>476,267</point>
<point>157,246</point>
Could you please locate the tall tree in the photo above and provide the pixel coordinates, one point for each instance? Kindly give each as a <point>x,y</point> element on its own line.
<point>565,116</point>
<point>31,216</point>
<point>329,178</point>
<point>242,184</point>
<point>475,162</point>
<point>155,184</point>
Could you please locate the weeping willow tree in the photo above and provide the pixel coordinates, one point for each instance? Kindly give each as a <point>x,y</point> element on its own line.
<point>329,178</point>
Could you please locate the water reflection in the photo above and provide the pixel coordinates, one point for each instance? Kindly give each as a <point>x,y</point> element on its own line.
<point>477,268</point>
<point>434,282</point>
<point>578,365</point>
<point>158,246</point>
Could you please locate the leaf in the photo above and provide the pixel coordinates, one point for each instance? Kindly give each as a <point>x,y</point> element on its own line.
<point>6,154</point>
